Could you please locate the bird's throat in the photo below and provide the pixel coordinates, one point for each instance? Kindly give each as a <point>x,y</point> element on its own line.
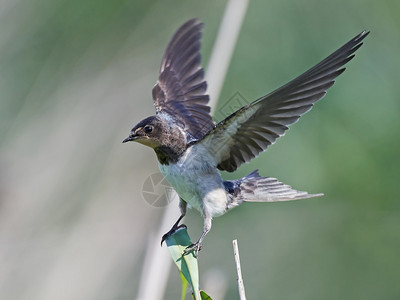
<point>168,154</point>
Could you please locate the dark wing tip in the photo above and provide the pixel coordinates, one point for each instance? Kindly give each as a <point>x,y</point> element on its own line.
<point>189,23</point>
<point>195,20</point>
<point>361,36</point>
<point>179,38</point>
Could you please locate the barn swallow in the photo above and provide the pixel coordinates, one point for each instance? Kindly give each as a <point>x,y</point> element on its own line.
<point>192,149</point>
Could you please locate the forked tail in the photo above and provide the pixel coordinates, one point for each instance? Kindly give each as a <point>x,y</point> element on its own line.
<point>255,188</point>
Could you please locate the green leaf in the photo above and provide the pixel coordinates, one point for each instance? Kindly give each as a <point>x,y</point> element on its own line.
<point>187,264</point>
<point>204,296</point>
<point>184,286</point>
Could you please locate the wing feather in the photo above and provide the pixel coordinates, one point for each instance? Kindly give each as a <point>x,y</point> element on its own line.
<point>249,131</point>
<point>181,89</point>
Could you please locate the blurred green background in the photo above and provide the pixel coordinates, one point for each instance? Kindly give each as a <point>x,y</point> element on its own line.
<point>77,75</point>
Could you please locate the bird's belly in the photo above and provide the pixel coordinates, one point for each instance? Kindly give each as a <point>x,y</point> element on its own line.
<point>200,187</point>
<point>184,182</point>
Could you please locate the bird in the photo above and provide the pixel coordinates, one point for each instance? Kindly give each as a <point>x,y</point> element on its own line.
<point>192,149</point>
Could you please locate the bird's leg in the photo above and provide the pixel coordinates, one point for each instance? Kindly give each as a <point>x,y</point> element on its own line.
<point>176,226</point>
<point>196,247</point>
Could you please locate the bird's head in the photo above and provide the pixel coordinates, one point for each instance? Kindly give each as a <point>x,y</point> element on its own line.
<point>148,132</point>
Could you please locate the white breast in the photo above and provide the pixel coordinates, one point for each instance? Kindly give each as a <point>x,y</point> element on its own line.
<point>197,181</point>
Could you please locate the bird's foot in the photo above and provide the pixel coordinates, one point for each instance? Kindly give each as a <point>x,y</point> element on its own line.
<point>195,248</point>
<point>172,231</point>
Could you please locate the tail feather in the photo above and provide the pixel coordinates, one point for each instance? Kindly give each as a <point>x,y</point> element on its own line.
<point>255,188</point>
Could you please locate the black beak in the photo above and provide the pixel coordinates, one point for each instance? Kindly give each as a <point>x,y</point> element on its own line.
<point>129,138</point>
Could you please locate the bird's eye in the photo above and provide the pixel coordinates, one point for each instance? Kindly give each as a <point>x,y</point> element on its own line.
<point>148,128</point>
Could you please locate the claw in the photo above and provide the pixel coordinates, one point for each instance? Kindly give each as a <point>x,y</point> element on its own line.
<point>196,247</point>
<point>172,231</point>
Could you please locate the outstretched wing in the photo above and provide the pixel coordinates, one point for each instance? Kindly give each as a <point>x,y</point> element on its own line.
<point>180,90</point>
<point>250,130</point>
